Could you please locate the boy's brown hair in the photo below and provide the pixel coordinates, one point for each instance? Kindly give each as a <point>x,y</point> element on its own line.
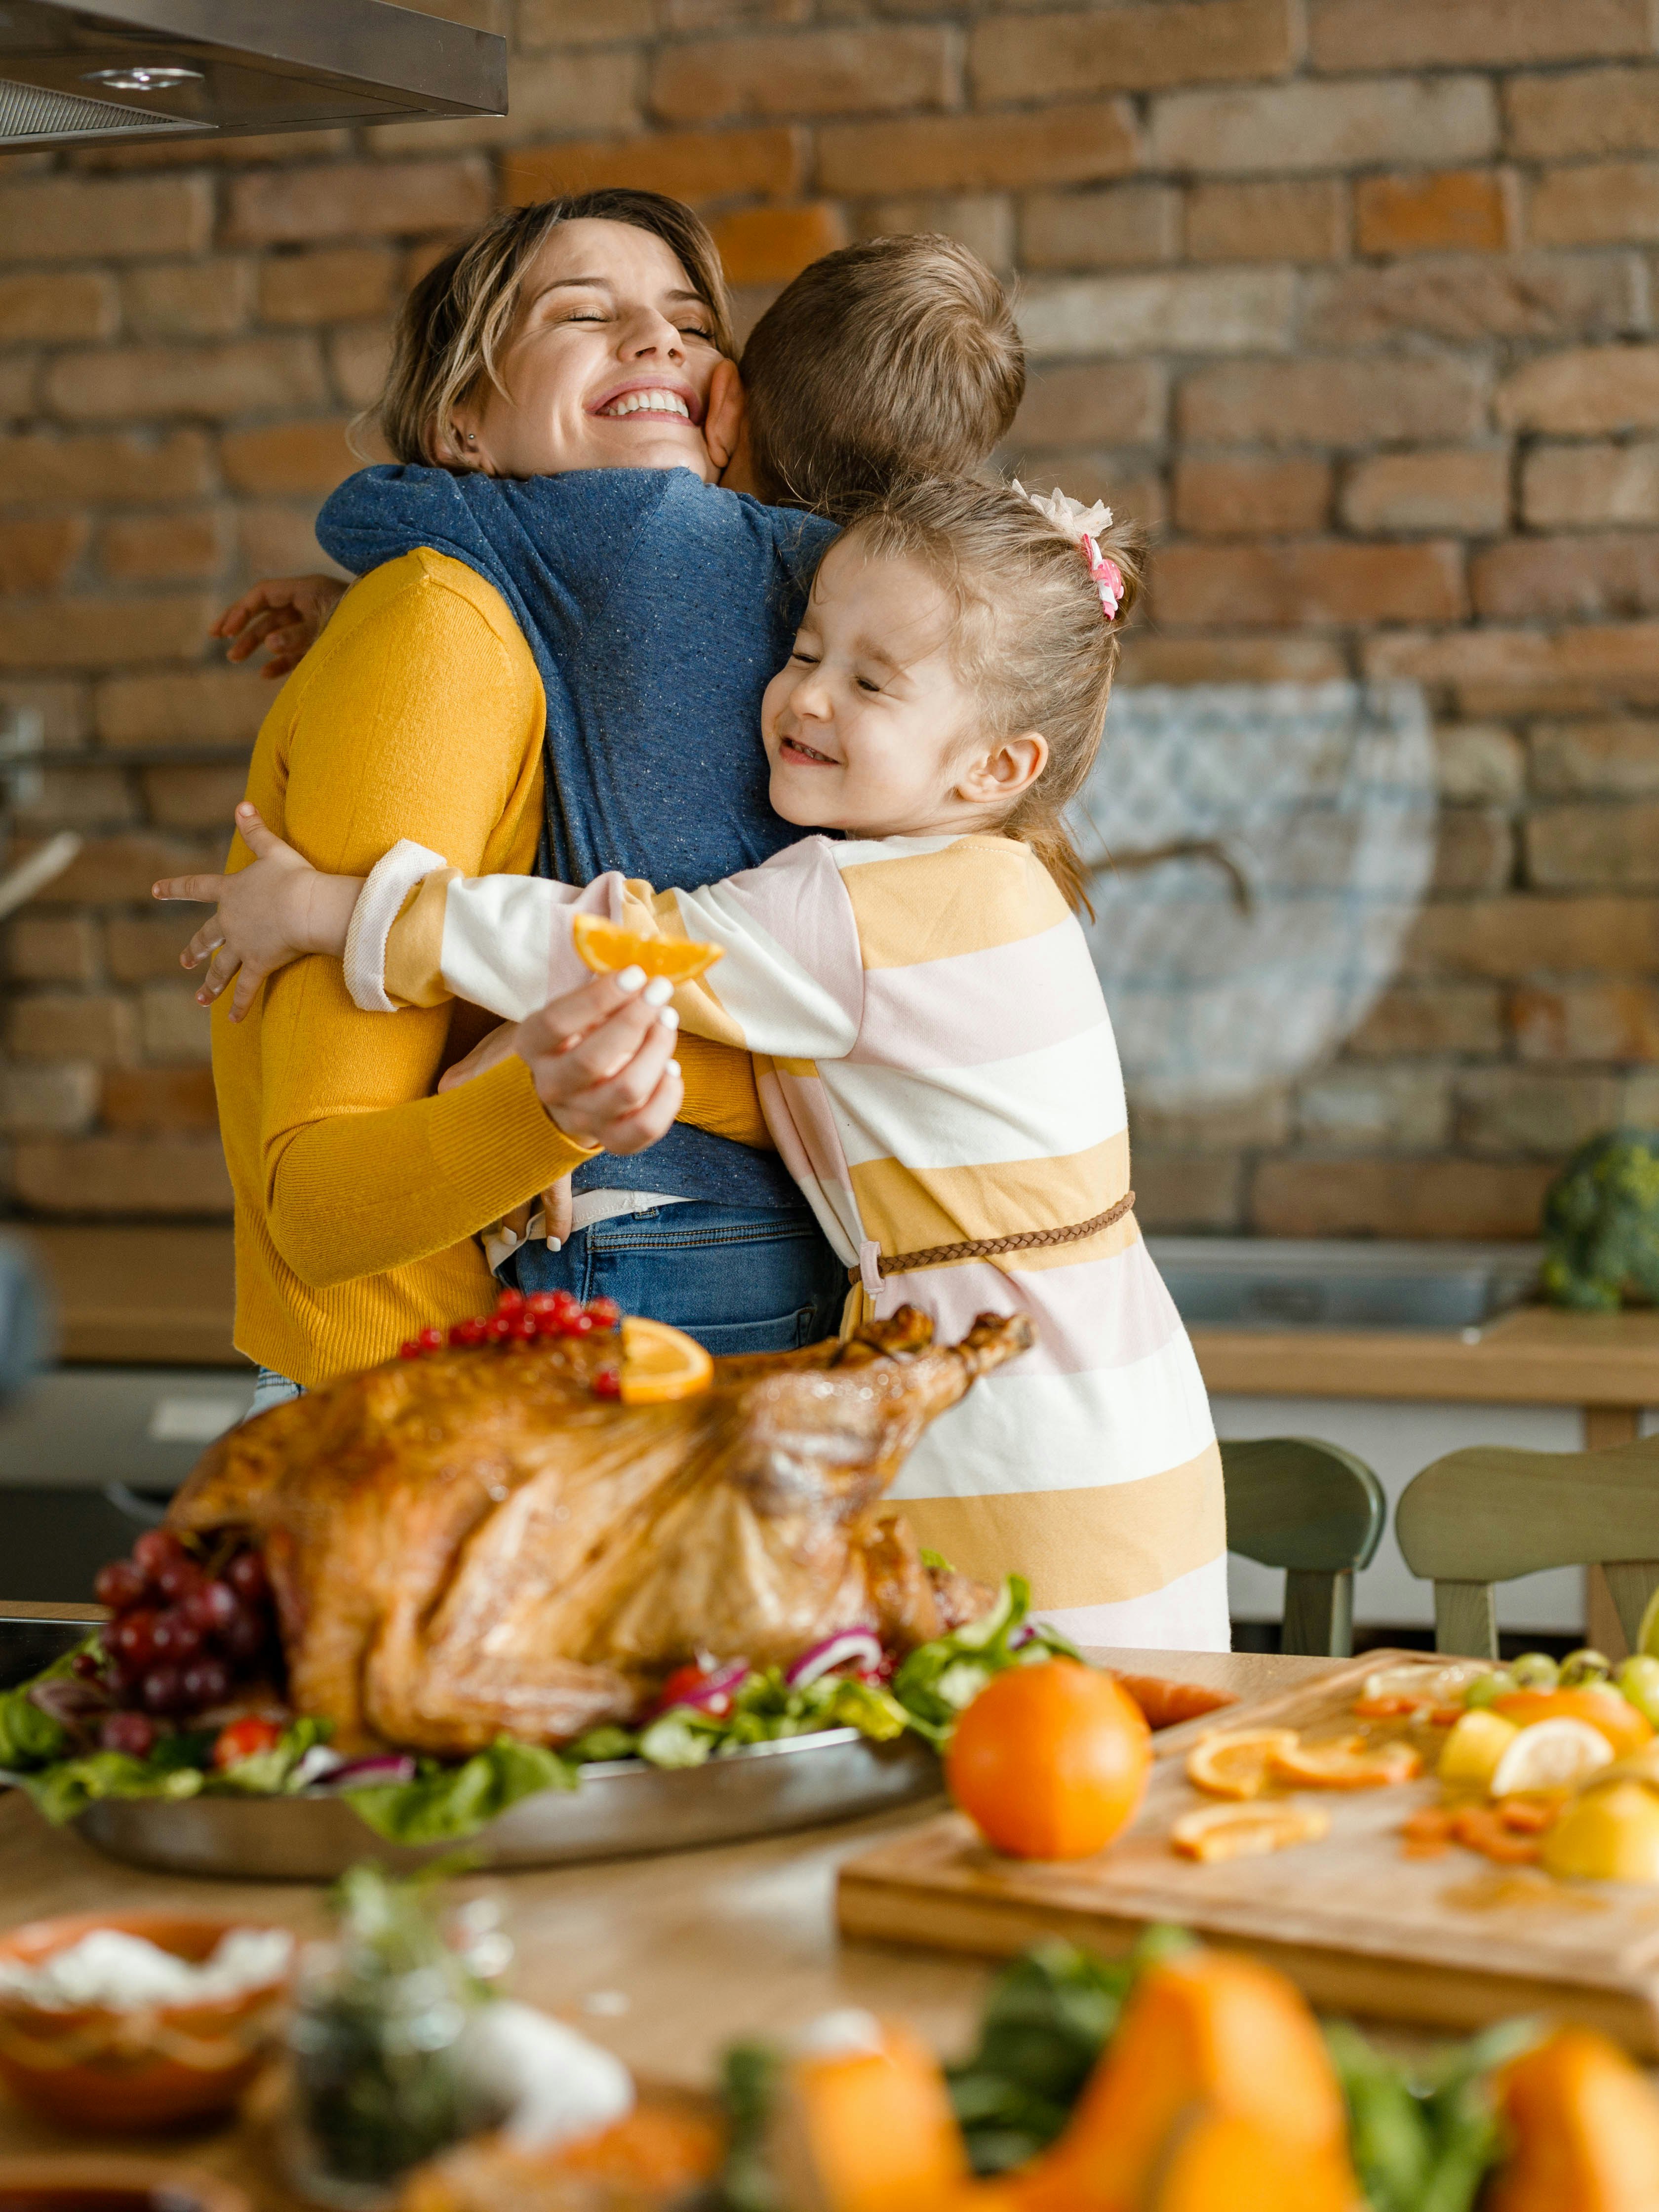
<point>893,358</point>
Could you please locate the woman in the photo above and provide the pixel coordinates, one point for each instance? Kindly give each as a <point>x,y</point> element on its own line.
<point>421,712</point>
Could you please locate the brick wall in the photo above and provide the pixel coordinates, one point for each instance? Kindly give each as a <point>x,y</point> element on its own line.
<point>1350,302</point>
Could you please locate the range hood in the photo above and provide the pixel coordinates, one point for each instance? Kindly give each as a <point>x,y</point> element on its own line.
<point>138,70</point>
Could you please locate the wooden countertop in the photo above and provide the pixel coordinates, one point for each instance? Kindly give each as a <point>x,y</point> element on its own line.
<point>665,1960</point>
<point>1538,1356</point>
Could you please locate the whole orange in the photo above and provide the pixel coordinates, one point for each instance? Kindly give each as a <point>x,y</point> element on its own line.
<point>1050,1761</point>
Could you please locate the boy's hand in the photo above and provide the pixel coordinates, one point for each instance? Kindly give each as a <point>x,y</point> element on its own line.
<point>601,1059</point>
<point>269,915</point>
<point>285,613</point>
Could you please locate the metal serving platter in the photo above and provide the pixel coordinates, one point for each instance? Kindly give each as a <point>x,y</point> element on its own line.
<point>623,1808</point>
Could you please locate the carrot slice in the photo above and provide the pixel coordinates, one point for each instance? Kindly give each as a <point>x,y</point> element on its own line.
<point>1480,1828</point>
<point>1166,1704</point>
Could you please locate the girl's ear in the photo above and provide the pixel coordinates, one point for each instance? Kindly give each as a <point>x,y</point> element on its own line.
<point>1006,773</point>
<point>722,422</point>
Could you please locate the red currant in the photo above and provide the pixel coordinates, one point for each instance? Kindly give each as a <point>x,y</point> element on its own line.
<point>607,1384</point>
<point>580,1324</point>
<point>409,1349</point>
<point>431,1340</point>
<point>498,1328</point>
<point>509,1301</point>
<point>545,1302</point>
<point>606,1312</point>
<point>525,1328</point>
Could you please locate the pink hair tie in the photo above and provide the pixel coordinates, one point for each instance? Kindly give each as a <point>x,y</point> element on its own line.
<point>1108,577</point>
<point>1083,524</point>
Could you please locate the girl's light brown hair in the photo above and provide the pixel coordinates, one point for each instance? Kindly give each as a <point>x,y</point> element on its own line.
<point>1032,639</point>
<point>458,321</point>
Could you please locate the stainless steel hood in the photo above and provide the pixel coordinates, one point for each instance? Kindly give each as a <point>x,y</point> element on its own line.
<point>73,75</point>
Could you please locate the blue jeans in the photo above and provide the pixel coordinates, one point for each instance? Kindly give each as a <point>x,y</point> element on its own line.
<point>738,1278</point>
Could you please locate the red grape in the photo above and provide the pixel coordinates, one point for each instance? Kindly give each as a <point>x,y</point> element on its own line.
<point>131,1733</point>
<point>206,1682</point>
<point>156,1549</point>
<point>120,1586</point>
<point>175,1636</point>
<point>244,1639</point>
<point>212,1607</point>
<point>87,1665</point>
<point>177,1579</point>
<point>247,1575</point>
<point>162,1689</point>
<point>135,1636</point>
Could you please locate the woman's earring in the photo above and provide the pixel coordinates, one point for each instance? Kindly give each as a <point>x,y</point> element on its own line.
<point>472,438</point>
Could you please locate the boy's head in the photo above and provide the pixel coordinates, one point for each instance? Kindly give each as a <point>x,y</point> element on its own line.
<point>894,359</point>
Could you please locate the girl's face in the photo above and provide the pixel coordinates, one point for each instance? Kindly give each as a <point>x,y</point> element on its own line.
<point>868,726</point>
<point>610,365</point>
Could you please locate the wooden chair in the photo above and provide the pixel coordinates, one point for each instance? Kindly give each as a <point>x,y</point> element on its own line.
<point>1318,1512</point>
<point>1490,1513</point>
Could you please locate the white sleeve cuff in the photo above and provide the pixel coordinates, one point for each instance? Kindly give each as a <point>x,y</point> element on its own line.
<point>378,904</point>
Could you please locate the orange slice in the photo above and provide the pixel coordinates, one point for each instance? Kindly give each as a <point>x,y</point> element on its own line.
<point>607,948</point>
<point>1240,1832</point>
<point>1237,1763</point>
<point>1348,1765</point>
<point>660,1363</point>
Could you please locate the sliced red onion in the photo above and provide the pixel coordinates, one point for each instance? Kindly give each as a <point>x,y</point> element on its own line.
<point>315,1765</point>
<point>852,1647</point>
<point>718,1683</point>
<point>386,1767</point>
<point>1021,1637</point>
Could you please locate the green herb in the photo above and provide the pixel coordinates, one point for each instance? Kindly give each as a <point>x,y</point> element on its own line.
<point>750,2072</point>
<point>1423,2139</point>
<point>444,1803</point>
<point>940,1678</point>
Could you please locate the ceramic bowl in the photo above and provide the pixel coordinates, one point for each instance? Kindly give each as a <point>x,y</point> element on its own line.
<point>113,2185</point>
<point>151,2066</point>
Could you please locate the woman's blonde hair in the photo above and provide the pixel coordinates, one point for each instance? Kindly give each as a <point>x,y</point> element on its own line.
<point>1032,638</point>
<point>456,322</point>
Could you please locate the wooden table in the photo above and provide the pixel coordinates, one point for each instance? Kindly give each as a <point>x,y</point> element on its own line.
<point>663,1960</point>
<point>1607,1364</point>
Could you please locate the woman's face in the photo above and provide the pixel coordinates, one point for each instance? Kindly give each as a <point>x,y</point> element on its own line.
<point>610,365</point>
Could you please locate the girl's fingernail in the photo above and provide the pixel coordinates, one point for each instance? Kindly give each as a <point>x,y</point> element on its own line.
<point>658,992</point>
<point>669,1018</point>
<point>630,979</point>
<point>674,1068</point>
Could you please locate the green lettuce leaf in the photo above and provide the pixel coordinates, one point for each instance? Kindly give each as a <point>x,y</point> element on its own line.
<point>29,1737</point>
<point>64,1790</point>
<point>444,1802</point>
<point>940,1680</point>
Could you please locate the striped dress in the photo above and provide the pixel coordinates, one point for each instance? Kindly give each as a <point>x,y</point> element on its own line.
<point>937,1066</point>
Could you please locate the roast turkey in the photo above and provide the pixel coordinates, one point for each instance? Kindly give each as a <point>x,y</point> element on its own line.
<point>476,1541</point>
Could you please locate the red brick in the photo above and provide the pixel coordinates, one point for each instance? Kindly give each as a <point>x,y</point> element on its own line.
<point>982,221</point>
<point>1607,759</point>
<point>698,166</point>
<point>104,633</point>
<point>1476,763</point>
<point>279,541</point>
<point>1442,211</point>
<point>1177,310</point>
<point>64,705</point>
<point>1519,938</point>
<point>1263,1119</point>
<point>144,948</point>
<point>1130,49</point>
<point>1446,1197</point>
<point>565,92</point>
<point>199,706</point>
<point>245,376</point>
<point>77,219</point>
<point>1491,296</point>
<point>578,23</point>
<point>1278,219</point>
<point>163,548</point>
<point>189,299</point>
<point>1587,579</point>
<point>100,467</point>
<point>36,557</point>
<point>96,797</point>
<point>1332,403</point>
<point>338,284</point>
<point>1583,391</point>
<point>1073,144</point>
<point>1577,486</point>
<point>1594,846</point>
<point>1587,1021</point>
<point>158,1100</point>
<point>1475,850</point>
<point>1603,110</point>
<point>1356,35</point>
<point>835,72</point>
<point>173,1027</point>
<point>57,307</point>
<point>356,199</point>
<point>19,382</point>
<point>1297,658</point>
<point>358,357</point>
<point>1358,1108</point>
<point>58,1100</point>
<point>58,948</point>
<point>119,871</point>
<point>1120,227</point>
<point>1501,1110</point>
<point>194,798</point>
<point>1416,1020</point>
<point>68,1025</point>
<point>1187,1193</point>
<point>1240,496</point>
<point>168,1177</point>
<point>260,150</point>
<point>1446,489</point>
<point>288,457</point>
<point>1602,204</point>
<point>1325,126</point>
<point>769,245</point>
<point>1582,669</point>
<point>1120,402</point>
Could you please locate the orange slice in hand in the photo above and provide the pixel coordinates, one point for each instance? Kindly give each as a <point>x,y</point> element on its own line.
<point>1237,1763</point>
<point>1240,1832</point>
<point>607,948</point>
<point>660,1363</point>
<point>1348,1765</point>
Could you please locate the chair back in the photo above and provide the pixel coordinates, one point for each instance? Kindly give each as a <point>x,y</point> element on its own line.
<point>1318,1512</point>
<point>1490,1513</point>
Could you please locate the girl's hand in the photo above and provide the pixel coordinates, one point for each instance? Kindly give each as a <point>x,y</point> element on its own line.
<point>285,613</point>
<point>269,913</point>
<point>602,1061</point>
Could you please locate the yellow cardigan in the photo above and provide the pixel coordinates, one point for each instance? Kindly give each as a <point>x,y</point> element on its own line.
<point>418,714</point>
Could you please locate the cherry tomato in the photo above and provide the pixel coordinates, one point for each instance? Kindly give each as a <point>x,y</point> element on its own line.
<point>685,1682</point>
<point>243,1740</point>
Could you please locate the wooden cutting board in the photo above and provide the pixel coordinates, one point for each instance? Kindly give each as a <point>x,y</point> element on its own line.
<point>1452,1943</point>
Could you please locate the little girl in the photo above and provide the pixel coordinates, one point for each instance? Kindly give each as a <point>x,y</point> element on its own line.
<point>935,1059</point>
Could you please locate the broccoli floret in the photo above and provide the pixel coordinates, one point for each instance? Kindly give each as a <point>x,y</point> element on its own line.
<point>1601,1225</point>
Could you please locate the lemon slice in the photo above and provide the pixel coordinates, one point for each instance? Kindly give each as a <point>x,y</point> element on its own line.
<point>1556,1755</point>
<point>1241,1832</point>
<point>660,1363</point>
<point>1609,1834</point>
<point>1237,1764</point>
<point>607,948</point>
<point>1470,1754</point>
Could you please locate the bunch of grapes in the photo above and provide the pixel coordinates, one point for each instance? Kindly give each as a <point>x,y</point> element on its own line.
<point>180,1637</point>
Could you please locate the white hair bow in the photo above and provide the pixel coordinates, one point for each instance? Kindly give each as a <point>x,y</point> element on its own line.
<point>1072,519</point>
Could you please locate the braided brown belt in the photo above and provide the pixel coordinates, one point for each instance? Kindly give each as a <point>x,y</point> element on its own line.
<point>987,1248</point>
